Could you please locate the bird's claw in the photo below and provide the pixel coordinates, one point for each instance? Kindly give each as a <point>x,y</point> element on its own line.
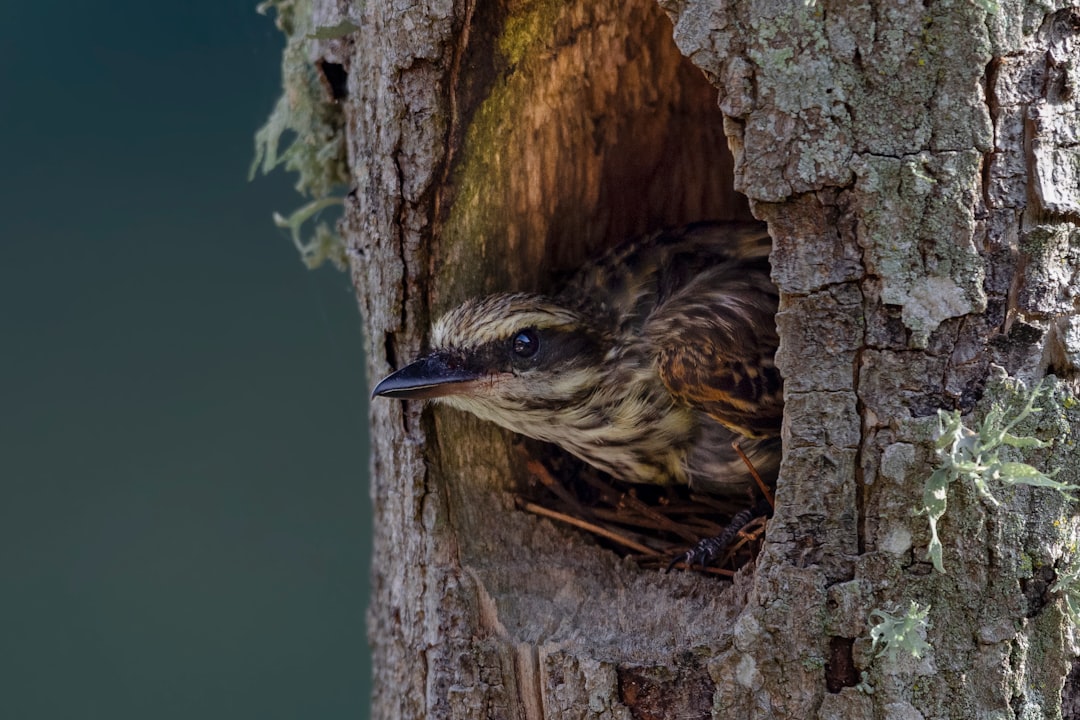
<point>708,550</point>
<point>703,554</point>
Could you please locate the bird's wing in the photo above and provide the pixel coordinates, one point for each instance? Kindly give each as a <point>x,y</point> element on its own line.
<point>629,281</point>
<point>713,342</point>
<point>713,465</point>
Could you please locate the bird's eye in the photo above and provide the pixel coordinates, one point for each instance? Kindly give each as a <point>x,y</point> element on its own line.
<point>525,343</point>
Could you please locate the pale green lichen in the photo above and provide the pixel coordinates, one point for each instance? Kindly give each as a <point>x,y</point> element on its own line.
<point>975,455</point>
<point>1068,584</point>
<point>333,32</point>
<point>325,245</point>
<point>1068,578</point>
<point>900,632</point>
<point>310,127</point>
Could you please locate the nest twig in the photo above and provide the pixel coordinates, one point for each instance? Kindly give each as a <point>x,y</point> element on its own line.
<point>649,524</point>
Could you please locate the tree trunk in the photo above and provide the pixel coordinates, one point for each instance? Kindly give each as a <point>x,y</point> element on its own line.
<point>919,169</point>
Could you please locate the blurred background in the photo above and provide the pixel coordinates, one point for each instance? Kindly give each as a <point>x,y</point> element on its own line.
<point>184,516</point>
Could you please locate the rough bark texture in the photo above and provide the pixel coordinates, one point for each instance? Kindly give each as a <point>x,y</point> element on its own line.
<point>897,153</point>
<point>919,168</point>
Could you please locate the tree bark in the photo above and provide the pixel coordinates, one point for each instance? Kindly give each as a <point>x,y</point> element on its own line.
<point>918,166</point>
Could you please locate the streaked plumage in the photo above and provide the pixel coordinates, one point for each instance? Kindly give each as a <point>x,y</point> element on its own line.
<point>646,365</point>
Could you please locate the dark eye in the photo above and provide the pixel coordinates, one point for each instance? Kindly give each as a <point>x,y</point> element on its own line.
<point>525,343</point>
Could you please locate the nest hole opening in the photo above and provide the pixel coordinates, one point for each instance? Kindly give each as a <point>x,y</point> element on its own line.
<point>567,144</point>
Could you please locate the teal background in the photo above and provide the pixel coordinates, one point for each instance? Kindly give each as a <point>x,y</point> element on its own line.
<point>184,522</point>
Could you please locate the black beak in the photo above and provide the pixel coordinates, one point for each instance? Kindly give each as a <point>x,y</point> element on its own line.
<point>431,376</point>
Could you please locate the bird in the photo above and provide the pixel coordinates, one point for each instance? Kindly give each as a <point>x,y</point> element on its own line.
<point>651,363</point>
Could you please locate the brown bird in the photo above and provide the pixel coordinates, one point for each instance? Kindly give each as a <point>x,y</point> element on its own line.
<point>647,365</point>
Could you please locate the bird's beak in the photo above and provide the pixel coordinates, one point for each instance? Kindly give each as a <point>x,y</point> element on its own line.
<point>431,376</point>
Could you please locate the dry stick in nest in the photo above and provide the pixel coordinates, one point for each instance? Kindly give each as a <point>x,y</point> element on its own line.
<point>629,510</point>
<point>629,505</point>
<point>588,526</point>
<point>765,491</point>
<point>541,473</point>
<point>625,507</point>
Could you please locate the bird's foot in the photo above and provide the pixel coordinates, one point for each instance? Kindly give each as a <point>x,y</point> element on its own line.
<point>710,549</point>
<point>701,555</point>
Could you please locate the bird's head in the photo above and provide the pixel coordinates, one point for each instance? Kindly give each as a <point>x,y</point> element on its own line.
<point>515,359</point>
